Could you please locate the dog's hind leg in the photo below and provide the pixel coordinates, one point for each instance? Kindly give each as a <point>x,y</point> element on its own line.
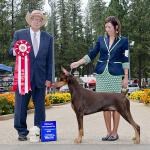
<point>80,128</point>
<point>136,127</point>
<point>126,114</point>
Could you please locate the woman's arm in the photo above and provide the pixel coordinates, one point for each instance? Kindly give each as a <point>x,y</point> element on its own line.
<point>88,58</point>
<point>78,63</point>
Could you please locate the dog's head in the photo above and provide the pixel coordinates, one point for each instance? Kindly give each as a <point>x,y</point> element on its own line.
<point>65,78</point>
<point>68,77</point>
<point>65,75</point>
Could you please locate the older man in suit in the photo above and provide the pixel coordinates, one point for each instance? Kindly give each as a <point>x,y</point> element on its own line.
<point>40,71</point>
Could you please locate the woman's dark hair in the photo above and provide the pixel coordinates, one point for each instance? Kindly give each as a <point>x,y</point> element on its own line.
<point>115,22</point>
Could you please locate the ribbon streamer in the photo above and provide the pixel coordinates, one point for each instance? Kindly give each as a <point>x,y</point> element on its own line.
<point>22,67</point>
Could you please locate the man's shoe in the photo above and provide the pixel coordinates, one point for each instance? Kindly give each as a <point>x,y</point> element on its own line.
<point>22,138</point>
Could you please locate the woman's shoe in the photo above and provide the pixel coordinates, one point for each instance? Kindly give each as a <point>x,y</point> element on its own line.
<point>105,138</point>
<point>113,138</point>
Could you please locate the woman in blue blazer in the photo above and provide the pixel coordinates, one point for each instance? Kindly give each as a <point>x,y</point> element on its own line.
<point>111,66</point>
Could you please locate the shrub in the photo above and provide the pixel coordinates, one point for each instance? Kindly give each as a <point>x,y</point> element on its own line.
<point>142,96</point>
<point>6,107</point>
<point>136,95</point>
<point>7,101</point>
<point>146,96</point>
<point>58,97</point>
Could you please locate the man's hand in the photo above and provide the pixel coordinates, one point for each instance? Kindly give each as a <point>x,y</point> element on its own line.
<point>47,83</point>
<point>14,53</point>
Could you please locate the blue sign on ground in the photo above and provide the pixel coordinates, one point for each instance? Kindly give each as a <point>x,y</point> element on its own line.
<point>48,131</point>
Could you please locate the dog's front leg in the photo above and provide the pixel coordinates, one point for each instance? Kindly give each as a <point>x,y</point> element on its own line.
<point>80,128</point>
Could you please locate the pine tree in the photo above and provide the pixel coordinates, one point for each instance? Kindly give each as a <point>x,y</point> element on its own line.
<point>76,30</point>
<point>97,14</point>
<point>64,35</point>
<point>88,41</point>
<point>5,27</point>
<point>52,28</point>
<point>120,9</point>
<point>140,34</point>
<point>27,6</point>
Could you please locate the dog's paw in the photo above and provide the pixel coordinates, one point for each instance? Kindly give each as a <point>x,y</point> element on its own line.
<point>77,140</point>
<point>136,141</point>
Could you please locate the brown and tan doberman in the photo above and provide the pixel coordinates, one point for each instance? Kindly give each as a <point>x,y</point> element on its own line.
<point>85,102</point>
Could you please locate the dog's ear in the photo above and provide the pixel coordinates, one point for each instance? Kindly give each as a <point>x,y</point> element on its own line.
<point>64,71</point>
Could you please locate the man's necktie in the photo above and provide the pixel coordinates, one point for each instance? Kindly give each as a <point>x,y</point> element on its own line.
<point>35,44</point>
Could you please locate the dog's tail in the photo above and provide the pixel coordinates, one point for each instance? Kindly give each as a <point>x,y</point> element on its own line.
<point>124,91</point>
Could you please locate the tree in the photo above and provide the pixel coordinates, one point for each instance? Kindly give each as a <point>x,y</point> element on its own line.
<point>120,9</point>
<point>4,29</point>
<point>76,30</point>
<point>97,11</point>
<point>52,28</point>
<point>88,40</point>
<point>140,33</point>
<point>64,36</point>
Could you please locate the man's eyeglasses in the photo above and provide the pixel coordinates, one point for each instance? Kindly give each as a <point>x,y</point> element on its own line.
<point>36,20</point>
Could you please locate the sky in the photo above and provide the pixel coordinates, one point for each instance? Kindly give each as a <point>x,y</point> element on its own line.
<point>83,2</point>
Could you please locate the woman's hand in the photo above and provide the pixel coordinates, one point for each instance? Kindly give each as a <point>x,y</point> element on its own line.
<point>74,65</point>
<point>125,82</point>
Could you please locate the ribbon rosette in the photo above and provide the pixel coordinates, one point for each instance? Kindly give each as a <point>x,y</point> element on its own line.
<point>22,67</point>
